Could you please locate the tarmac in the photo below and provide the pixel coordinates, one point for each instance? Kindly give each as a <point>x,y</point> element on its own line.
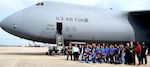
<point>36,57</point>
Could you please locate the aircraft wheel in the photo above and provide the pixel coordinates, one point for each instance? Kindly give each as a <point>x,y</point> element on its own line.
<point>50,52</point>
<point>46,53</point>
<point>66,52</point>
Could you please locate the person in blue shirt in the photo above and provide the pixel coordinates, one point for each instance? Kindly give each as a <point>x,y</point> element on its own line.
<point>112,50</point>
<point>102,50</point>
<point>93,56</point>
<point>144,52</point>
<point>86,53</point>
<point>87,49</point>
<point>97,49</point>
<point>107,51</point>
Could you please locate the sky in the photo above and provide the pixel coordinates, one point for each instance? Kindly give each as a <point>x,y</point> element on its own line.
<point>8,7</point>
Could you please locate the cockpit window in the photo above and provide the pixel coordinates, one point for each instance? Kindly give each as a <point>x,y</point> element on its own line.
<point>40,4</point>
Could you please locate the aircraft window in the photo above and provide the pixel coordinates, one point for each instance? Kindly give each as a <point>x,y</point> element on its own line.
<point>40,4</point>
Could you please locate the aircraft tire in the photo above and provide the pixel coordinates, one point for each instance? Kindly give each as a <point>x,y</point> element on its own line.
<point>50,52</point>
<point>66,52</point>
<point>46,53</point>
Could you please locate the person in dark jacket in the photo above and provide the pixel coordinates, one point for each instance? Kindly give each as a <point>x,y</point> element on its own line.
<point>144,52</point>
<point>132,51</point>
<point>99,57</point>
<point>128,54</point>
<point>117,55</point>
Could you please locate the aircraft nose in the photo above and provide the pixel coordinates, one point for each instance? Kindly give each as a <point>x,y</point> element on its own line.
<point>6,24</point>
<point>9,24</point>
<point>1,24</point>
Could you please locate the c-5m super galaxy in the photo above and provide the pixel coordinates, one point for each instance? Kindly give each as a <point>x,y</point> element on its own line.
<point>56,22</point>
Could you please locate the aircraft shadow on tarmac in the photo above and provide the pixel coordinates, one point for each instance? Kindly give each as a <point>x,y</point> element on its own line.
<point>31,53</point>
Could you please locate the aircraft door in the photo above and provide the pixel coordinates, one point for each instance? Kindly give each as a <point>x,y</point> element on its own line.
<point>59,27</point>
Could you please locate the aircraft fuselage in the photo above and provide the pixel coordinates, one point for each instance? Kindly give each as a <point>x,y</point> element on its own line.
<point>79,23</point>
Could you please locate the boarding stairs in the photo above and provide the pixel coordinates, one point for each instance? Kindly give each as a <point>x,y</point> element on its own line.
<point>60,43</point>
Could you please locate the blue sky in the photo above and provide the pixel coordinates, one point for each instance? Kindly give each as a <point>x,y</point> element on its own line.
<point>8,7</point>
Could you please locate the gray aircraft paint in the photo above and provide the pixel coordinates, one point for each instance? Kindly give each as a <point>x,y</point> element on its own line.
<point>38,23</point>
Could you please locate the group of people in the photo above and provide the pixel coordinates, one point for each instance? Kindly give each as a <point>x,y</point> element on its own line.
<point>109,53</point>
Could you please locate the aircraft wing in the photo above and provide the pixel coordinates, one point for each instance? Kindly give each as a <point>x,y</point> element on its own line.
<point>140,21</point>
